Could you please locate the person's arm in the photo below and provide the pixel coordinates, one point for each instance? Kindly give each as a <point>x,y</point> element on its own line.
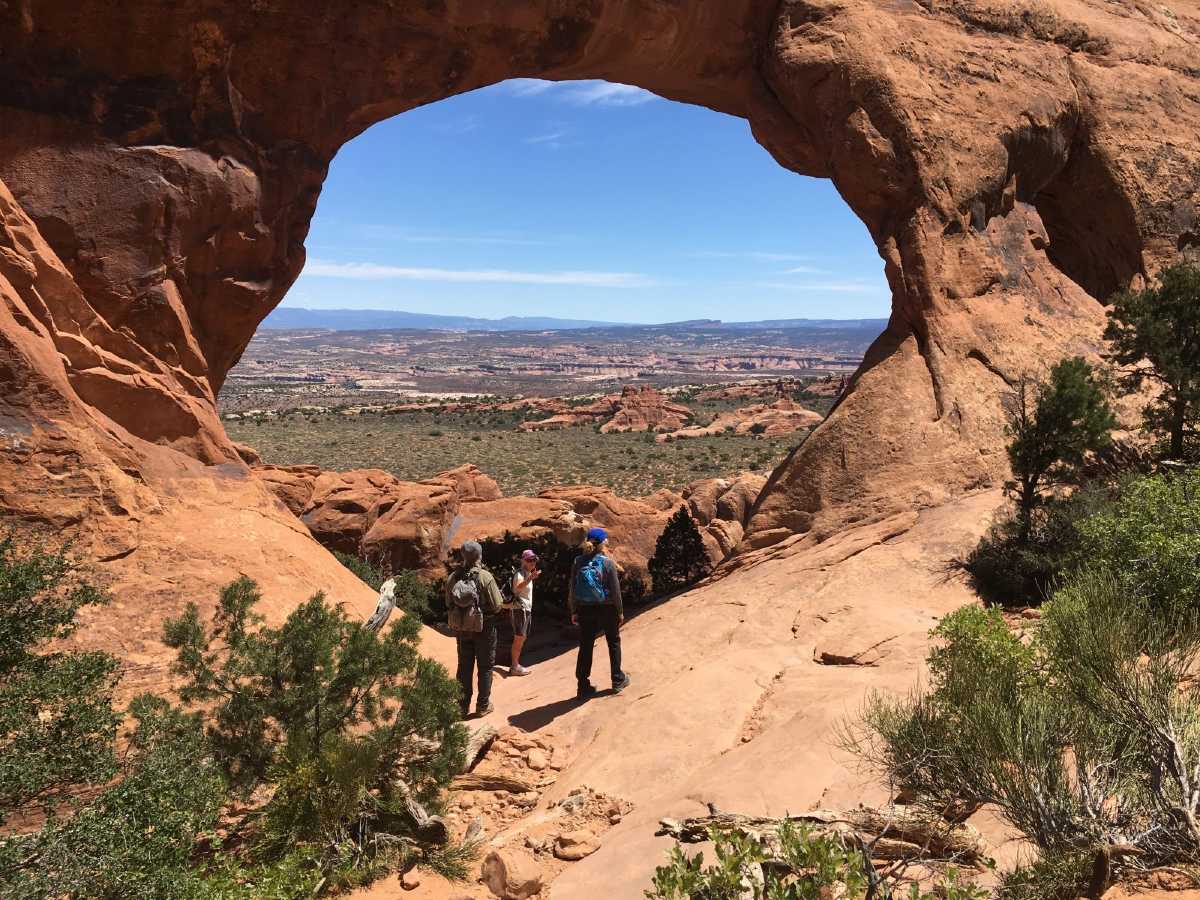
<point>571,590</point>
<point>521,579</point>
<point>614,588</point>
<point>449,587</point>
<point>493,591</point>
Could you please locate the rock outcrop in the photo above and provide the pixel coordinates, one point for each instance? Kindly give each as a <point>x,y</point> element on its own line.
<point>784,416</point>
<point>416,525</point>
<point>634,409</point>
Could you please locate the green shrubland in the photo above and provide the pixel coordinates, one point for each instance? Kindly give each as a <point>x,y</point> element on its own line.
<point>303,758</point>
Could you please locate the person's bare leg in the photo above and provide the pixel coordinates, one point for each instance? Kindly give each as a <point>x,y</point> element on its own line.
<point>518,643</point>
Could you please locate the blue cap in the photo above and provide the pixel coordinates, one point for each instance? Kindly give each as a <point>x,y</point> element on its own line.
<point>597,535</point>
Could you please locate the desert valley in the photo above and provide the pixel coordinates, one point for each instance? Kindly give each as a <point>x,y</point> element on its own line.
<point>910,602</point>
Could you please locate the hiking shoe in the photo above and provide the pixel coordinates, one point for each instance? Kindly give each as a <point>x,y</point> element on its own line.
<point>586,689</point>
<point>481,711</point>
<point>622,684</point>
<point>519,670</point>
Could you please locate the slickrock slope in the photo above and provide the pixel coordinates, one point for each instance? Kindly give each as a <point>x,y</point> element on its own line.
<point>737,690</point>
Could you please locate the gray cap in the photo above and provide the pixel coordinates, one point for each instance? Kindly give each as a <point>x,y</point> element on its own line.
<point>472,552</point>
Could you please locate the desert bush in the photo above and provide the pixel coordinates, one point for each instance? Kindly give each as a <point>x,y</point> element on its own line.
<point>1006,571</point>
<point>342,724</point>
<point>1087,736</point>
<point>679,557</point>
<point>136,838</point>
<point>413,594</point>
<point>364,569</point>
<point>1149,538</point>
<point>793,864</point>
<point>57,724</point>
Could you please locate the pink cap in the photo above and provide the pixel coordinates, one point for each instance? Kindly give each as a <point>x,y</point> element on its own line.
<point>529,554</point>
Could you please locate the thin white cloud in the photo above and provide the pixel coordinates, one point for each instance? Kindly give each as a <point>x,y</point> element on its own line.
<point>806,270</point>
<point>829,287</point>
<point>581,93</point>
<point>553,139</point>
<point>354,271</point>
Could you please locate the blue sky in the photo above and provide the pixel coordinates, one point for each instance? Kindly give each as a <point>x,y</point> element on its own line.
<point>581,200</point>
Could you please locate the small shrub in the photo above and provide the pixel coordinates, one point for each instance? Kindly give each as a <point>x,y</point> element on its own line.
<point>794,863</point>
<point>342,722</point>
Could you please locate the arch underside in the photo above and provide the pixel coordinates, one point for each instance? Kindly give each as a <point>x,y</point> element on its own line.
<point>161,161</point>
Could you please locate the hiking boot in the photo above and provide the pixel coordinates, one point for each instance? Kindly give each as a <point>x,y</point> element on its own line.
<point>519,670</point>
<point>481,711</point>
<point>586,690</point>
<point>465,709</point>
<point>619,686</point>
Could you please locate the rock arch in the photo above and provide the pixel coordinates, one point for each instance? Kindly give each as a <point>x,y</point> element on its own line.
<point>160,162</point>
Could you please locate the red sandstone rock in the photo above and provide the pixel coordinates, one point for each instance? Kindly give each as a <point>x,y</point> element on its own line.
<point>634,409</point>
<point>781,417</point>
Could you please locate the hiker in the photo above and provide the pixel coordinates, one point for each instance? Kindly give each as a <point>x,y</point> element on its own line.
<point>522,608</point>
<point>474,603</point>
<point>594,599</point>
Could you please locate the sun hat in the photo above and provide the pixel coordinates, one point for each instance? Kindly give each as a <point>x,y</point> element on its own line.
<point>529,554</point>
<point>597,535</point>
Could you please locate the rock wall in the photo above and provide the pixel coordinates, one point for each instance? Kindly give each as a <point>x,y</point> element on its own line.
<point>160,162</point>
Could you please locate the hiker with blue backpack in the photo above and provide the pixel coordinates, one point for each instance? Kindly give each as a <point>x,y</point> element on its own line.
<point>594,599</point>
<point>473,604</point>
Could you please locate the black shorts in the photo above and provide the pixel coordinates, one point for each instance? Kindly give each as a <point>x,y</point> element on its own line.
<point>521,620</point>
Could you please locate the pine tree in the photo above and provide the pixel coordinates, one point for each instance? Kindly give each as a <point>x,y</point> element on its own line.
<point>1161,326</point>
<point>349,726</point>
<point>1053,426</point>
<point>679,557</point>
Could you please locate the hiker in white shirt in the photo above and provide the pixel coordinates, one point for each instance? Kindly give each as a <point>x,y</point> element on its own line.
<point>522,609</point>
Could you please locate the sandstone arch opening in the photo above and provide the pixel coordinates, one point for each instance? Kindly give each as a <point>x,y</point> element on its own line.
<point>661,212</point>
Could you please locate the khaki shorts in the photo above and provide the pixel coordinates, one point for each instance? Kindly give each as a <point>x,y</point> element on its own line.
<point>521,620</point>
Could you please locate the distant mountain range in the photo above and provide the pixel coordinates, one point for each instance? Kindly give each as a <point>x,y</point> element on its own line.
<point>285,317</point>
<point>372,319</point>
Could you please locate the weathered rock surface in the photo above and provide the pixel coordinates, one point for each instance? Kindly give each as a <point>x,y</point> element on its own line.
<point>767,419</point>
<point>416,525</point>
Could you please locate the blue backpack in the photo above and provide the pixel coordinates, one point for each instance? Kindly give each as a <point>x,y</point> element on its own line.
<point>589,581</point>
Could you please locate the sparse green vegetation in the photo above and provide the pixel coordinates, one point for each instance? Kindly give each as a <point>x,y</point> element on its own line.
<point>416,445</point>
<point>792,864</point>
